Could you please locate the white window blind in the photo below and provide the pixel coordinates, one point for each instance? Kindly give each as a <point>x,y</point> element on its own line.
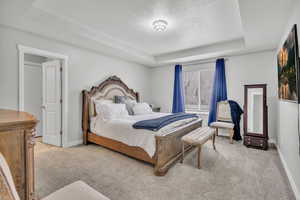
<point>197,88</point>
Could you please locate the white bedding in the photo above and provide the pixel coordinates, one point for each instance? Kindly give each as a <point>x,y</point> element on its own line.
<point>122,130</point>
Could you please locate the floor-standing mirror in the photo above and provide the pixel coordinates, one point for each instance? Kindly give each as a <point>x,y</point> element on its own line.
<point>256,116</point>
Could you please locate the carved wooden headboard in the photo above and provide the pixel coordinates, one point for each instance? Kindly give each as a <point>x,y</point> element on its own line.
<point>108,89</point>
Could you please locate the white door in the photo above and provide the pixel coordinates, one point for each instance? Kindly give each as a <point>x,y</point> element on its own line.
<point>52,103</point>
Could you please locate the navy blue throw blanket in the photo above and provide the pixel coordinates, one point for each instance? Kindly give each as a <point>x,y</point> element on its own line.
<point>158,123</point>
<point>236,113</point>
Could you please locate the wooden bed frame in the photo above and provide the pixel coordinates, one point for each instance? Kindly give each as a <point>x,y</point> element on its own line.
<point>168,147</point>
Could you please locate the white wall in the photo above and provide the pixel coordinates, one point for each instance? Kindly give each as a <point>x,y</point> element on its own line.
<point>254,69</point>
<point>86,69</point>
<point>288,136</point>
<point>240,70</point>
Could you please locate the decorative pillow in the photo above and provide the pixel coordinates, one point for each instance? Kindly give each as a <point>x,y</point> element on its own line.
<point>100,102</point>
<point>141,109</point>
<point>129,106</point>
<point>109,111</point>
<point>121,99</point>
<point>127,101</point>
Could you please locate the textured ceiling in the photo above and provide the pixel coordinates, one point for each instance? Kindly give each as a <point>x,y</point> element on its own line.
<point>198,29</point>
<point>191,22</point>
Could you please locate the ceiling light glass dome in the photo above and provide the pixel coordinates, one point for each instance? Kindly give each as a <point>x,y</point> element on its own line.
<point>160,25</point>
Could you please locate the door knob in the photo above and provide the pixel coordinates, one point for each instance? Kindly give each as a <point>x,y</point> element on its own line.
<point>43,107</point>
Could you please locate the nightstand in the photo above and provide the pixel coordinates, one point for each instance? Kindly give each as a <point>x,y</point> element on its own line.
<point>156,109</point>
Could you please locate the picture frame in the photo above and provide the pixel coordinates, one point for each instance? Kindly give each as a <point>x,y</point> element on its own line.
<point>288,69</point>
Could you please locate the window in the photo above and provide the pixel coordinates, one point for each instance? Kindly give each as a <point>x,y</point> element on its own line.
<point>197,89</point>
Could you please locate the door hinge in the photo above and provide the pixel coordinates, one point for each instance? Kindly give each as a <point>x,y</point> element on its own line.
<point>60,69</point>
<point>60,132</point>
<point>60,100</point>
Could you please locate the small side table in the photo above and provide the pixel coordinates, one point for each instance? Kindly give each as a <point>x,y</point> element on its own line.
<point>156,109</point>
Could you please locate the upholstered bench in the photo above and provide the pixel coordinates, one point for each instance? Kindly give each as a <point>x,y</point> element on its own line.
<point>75,191</point>
<point>197,138</point>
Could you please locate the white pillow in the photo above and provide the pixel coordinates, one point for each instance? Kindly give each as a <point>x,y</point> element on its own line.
<point>109,111</point>
<point>142,109</point>
<point>100,102</point>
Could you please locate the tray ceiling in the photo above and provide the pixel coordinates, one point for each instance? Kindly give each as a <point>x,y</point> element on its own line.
<point>196,28</point>
<point>190,23</point>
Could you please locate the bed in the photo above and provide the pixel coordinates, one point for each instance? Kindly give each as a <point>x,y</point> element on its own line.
<point>161,149</point>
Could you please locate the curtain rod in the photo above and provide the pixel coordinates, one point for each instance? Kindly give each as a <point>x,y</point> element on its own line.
<point>199,62</point>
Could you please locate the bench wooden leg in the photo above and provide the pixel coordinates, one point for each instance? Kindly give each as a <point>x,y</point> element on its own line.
<point>214,141</point>
<point>182,152</point>
<point>199,157</point>
<point>231,136</point>
<point>217,132</point>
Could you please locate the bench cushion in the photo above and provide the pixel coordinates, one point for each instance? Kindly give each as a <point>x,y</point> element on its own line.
<point>222,125</point>
<point>76,191</point>
<point>199,136</point>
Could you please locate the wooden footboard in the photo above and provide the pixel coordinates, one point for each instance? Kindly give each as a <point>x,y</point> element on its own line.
<point>169,148</point>
<point>135,152</point>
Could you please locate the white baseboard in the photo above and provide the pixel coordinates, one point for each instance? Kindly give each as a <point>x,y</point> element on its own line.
<point>289,175</point>
<point>74,143</point>
<point>272,141</point>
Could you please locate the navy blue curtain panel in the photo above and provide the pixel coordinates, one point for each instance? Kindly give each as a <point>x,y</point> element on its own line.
<point>178,95</point>
<point>219,92</point>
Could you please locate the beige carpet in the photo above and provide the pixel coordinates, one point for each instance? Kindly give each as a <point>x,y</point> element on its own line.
<point>234,172</point>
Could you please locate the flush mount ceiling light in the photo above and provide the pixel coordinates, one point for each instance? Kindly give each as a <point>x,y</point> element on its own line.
<point>160,25</point>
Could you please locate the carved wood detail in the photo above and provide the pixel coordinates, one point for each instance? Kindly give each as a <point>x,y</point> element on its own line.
<point>88,94</point>
<point>30,142</point>
<point>168,148</point>
<point>17,144</point>
<point>113,80</point>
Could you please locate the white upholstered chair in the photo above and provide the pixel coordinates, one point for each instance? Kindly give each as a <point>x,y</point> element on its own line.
<point>75,191</point>
<point>224,120</point>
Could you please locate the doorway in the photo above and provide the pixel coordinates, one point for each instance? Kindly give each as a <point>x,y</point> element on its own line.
<point>33,90</point>
<point>42,92</point>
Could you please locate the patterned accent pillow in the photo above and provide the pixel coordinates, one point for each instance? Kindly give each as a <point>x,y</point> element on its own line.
<point>127,101</point>
<point>121,99</point>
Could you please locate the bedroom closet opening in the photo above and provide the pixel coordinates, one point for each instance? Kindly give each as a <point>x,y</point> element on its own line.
<point>43,97</point>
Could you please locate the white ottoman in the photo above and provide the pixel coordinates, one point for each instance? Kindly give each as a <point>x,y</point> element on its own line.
<point>197,138</point>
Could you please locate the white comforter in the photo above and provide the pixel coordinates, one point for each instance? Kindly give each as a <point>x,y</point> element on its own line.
<point>122,130</point>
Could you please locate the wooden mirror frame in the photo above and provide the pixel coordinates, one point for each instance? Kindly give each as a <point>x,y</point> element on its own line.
<point>256,139</point>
